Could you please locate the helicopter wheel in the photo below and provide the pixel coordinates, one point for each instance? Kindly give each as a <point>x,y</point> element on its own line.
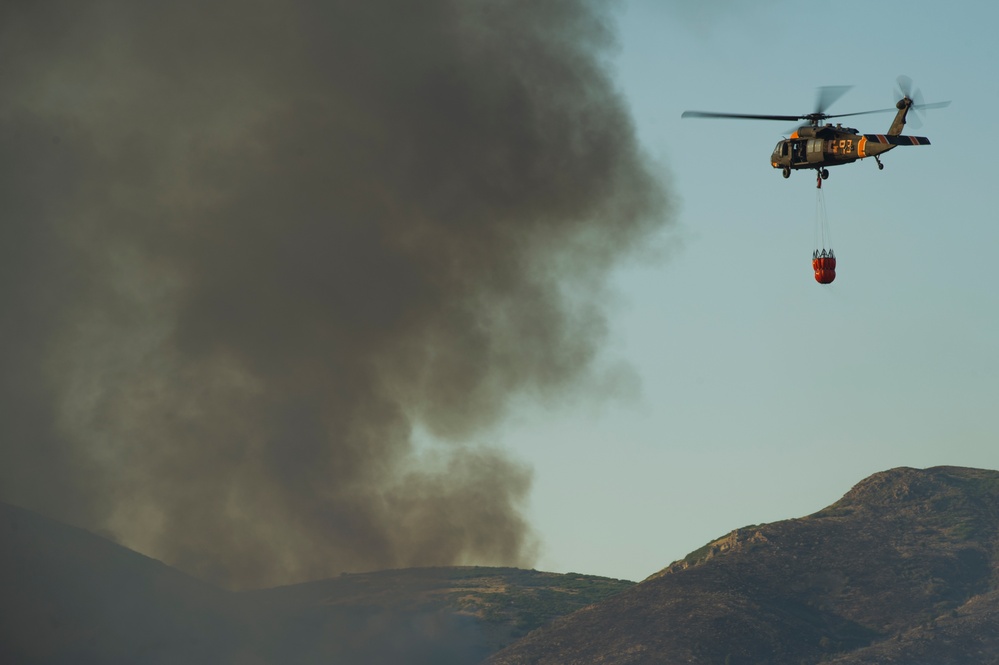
<point>786,172</point>
<point>825,174</point>
<point>881,167</point>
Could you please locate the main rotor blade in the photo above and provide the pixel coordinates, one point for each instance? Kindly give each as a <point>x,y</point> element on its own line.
<point>743,116</point>
<point>828,94</point>
<point>844,115</point>
<point>935,105</point>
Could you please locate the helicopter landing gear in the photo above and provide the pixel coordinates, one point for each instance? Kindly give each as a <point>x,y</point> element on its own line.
<point>881,167</point>
<point>786,172</point>
<point>820,175</point>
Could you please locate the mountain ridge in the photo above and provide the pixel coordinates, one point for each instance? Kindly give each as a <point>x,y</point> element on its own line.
<point>904,554</point>
<point>903,568</point>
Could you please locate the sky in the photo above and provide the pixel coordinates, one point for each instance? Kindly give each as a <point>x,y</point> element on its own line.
<point>764,395</point>
<point>305,287</point>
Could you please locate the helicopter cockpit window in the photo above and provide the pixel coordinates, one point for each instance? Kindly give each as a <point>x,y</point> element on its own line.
<point>781,148</point>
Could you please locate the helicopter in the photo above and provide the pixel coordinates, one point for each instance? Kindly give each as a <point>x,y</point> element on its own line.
<point>818,146</point>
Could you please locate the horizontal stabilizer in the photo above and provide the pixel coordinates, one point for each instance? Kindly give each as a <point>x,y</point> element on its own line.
<point>897,140</point>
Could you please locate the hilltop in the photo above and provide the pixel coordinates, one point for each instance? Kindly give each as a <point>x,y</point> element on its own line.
<point>904,568</point>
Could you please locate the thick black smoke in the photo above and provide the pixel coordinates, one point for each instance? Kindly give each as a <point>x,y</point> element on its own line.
<point>248,247</point>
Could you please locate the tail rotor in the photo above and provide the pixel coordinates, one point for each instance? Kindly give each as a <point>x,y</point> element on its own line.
<point>906,91</point>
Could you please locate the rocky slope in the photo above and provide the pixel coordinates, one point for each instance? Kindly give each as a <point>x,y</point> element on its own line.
<point>905,568</point>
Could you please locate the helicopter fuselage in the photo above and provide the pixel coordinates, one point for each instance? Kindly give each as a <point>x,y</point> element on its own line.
<point>819,147</point>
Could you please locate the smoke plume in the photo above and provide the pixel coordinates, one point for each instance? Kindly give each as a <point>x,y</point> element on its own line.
<point>250,247</point>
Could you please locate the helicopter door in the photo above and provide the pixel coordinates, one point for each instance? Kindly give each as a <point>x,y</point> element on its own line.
<point>798,152</point>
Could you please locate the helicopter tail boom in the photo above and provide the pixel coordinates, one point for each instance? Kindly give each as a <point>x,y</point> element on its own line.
<point>896,139</point>
<point>872,145</point>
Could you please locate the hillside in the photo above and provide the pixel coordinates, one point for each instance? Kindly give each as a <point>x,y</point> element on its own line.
<point>904,568</point>
<point>421,616</point>
<point>70,596</point>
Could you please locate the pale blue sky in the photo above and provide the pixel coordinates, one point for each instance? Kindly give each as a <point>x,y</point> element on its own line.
<point>764,395</point>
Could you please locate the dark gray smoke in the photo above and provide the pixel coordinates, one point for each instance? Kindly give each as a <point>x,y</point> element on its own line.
<point>248,247</point>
